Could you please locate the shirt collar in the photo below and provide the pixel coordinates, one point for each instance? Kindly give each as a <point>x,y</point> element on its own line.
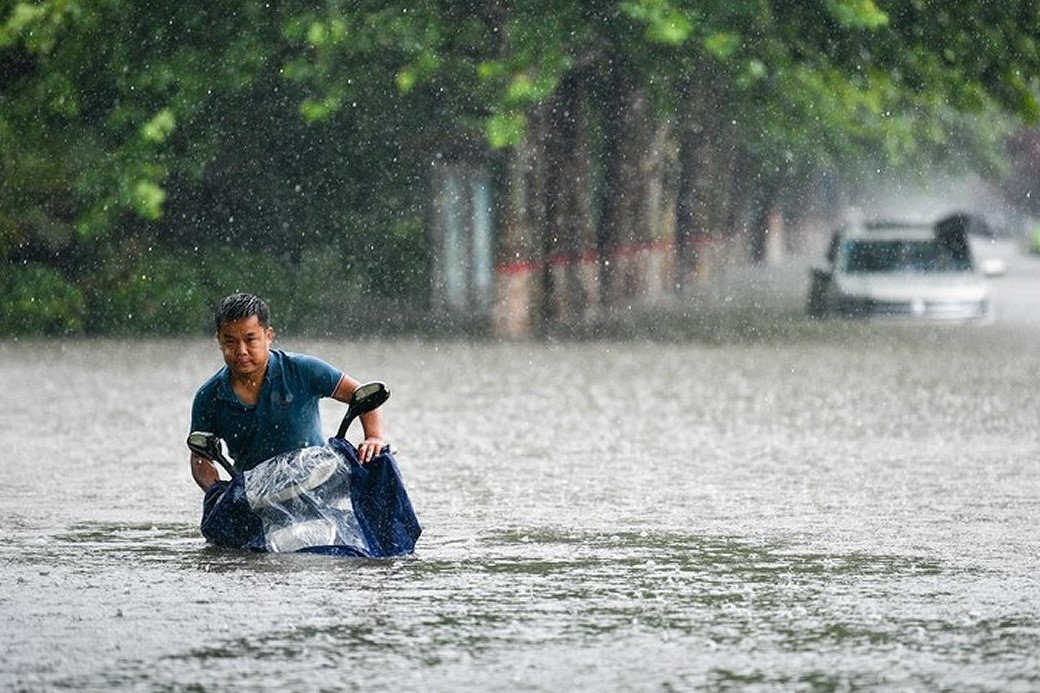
<point>272,379</point>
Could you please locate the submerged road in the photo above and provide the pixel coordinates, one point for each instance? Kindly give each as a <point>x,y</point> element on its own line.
<point>818,507</point>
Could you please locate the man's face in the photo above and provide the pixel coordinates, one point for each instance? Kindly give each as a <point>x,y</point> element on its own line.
<point>245,344</point>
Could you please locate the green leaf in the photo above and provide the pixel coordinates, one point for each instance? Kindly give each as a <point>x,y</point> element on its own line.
<point>316,34</point>
<point>505,129</point>
<point>148,198</point>
<point>664,23</point>
<point>491,69</point>
<point>407,78</point>
<point>160,126</point>
<point>858,13</point>
<point>722,44</point>
<point>317,110</point>
<point>21,18</point>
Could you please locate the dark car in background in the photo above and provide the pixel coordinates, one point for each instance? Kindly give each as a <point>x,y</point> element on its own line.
<point>900,270</point>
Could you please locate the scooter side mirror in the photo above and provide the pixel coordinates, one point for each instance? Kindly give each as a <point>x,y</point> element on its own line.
<point>212,447</point>
<point>366,398</point>
<point>369,396</point>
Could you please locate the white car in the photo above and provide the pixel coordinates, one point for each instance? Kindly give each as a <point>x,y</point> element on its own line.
<point>901,271</point>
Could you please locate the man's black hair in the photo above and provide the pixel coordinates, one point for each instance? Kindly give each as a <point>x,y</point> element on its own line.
<point>238,306</point>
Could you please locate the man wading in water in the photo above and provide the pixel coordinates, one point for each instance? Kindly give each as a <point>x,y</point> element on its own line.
<point>264,401</point>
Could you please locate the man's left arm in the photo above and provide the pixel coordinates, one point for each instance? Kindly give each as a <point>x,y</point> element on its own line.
<point>371,421</point>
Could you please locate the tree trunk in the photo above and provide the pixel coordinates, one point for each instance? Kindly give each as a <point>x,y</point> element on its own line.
<point>763,221</point>
<point>625,226</point>
<point>690,233</point>
<point>700,195</point>
<point>522,219</point>
<point>571,279</point>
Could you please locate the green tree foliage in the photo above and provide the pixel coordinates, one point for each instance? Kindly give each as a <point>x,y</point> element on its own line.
<point>805,84</point>
<point>38,300</point>
<point>172,127</point>
<point>149,152</point>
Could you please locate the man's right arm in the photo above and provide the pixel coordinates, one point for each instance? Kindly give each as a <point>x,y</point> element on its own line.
<point>203,471</point>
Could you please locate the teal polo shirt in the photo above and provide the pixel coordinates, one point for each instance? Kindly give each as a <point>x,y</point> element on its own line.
<point>284,418</point>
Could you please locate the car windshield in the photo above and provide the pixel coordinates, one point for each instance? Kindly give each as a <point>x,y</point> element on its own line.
<point>902,255</point>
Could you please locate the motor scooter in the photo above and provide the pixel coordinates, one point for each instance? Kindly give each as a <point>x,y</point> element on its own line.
<point>318,499</point>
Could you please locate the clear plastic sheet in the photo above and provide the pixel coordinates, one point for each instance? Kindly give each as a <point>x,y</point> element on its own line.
<point>303,500</point>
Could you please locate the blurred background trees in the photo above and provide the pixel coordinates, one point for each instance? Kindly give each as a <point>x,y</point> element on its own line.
<point>577,158</point>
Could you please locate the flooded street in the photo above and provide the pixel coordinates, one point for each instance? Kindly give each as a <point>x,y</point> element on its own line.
<point>835,506</point>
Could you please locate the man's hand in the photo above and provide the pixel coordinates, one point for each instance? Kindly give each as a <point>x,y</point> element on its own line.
<point>370,448</point>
